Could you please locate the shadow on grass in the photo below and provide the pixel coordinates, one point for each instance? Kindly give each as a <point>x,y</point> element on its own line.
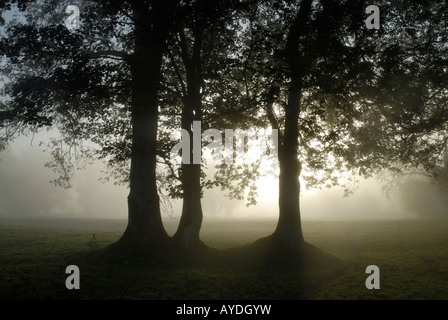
<point>256,271</point>
<point>264,254</point>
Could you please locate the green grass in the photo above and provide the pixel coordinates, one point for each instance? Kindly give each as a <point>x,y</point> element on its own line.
<point>412,256</point>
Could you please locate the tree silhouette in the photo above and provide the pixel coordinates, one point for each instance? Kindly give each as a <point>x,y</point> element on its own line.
<point>72,79</point>
<point>345,97</point>
<point>196,44</point>
<point>91,91</point>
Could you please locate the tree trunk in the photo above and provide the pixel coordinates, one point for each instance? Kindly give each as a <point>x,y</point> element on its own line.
<point>187,234</point>
<point>288,233</point>
<point>145,228</point>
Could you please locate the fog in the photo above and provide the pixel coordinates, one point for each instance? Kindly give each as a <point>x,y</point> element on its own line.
<point>26,191</point>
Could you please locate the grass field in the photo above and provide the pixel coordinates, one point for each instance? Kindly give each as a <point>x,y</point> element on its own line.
<point>412,256</point>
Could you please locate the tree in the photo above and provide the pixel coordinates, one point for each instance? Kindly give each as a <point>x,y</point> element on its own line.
<point>201,84</point>
<point>104,80</point>
<point>151,32</point>
<point>195,44</point>
<point>106,101</point>
<point>353,101</point>
<point>66,79</point>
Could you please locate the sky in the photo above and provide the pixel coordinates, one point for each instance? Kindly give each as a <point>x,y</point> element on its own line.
<point>25,190</point>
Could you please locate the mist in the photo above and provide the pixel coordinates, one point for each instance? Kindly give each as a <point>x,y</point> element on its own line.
<point>26,191</point>
<point>26,188</point>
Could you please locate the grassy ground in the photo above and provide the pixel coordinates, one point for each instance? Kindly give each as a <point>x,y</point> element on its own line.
<point>412,256</point>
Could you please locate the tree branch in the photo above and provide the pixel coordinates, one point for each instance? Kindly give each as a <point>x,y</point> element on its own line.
<point>273,120</point>
<point>178,74</point>
<point>167,162</point>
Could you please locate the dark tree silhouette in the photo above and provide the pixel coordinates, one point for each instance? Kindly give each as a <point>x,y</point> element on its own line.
<point>76,77</point>
<point>151,32</point>
<point>196,44</point>
<point>346,97</point>
<point>103,83</point>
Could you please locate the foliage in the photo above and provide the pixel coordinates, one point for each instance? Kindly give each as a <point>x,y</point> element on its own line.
<point>61,82</point>
<point>370,99</point>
